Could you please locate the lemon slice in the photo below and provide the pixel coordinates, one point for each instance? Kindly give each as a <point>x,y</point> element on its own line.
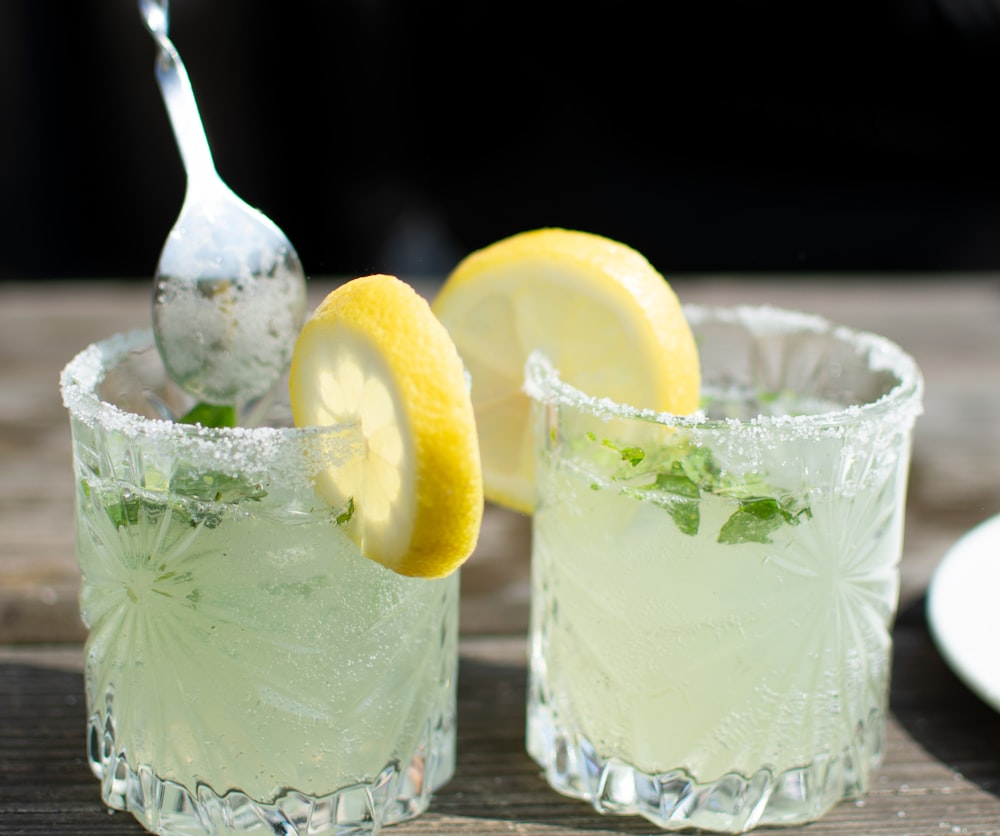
<point>374,354</point>
<point>607,321</point>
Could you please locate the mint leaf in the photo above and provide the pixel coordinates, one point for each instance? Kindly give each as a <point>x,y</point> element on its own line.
<point>631,455</point>
<point>348,512</point>
<point>686,516</point>
<point>210,415</point>
<point>701,466</point>
<point>212,486</point>
<point>196,498</point>
<point>676,481</point>
<point>124,510</point>
<point>756,519</point>
<point>685,511</point>
<point>753,522</point>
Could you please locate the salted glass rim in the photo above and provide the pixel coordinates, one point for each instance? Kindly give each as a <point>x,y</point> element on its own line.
<point>81,377</point>
<point>543,383</point>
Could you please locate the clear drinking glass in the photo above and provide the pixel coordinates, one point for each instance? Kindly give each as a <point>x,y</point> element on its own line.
<point>712,596</point>
<point>247,670</point>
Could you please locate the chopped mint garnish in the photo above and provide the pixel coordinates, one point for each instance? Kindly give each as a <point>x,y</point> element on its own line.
<point>756,519</point>
<point>632,455</point>
<point>124,511</point>
<point>203,491</point>
<point>211,486</point>
<point>202,494</point>
<point>210,415</point>
<point>686,514</point>
<point>682,475</point>
<point>348,512</point>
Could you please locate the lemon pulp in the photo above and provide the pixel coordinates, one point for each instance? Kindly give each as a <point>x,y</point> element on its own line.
<point>603,316</point>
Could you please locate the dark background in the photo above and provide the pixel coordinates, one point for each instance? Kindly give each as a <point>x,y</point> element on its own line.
<point>396,135</point>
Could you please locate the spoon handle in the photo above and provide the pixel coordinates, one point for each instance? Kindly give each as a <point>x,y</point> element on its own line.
<point>178,96</point>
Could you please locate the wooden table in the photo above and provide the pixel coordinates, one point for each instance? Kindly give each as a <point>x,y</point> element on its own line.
<point>942,770</point>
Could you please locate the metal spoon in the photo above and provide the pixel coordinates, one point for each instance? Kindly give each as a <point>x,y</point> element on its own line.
<point>229,291</point>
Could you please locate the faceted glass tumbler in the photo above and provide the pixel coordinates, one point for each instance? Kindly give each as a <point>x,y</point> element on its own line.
<point>712,595</point>
<point>247,670</point>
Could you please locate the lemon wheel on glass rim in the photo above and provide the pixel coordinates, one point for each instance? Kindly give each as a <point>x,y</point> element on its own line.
<point>374,354</point>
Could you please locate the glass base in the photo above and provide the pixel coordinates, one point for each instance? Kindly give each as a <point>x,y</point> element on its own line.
<point>675,800</point>
<point>399,792</point>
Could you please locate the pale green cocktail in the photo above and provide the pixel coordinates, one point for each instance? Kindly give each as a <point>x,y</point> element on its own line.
<point>247,670</point>
<point>713,595</point>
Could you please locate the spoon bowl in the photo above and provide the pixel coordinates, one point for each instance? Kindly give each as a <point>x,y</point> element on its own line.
<point>229,290</point>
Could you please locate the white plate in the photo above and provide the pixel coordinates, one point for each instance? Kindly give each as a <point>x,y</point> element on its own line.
<point>963,607</point>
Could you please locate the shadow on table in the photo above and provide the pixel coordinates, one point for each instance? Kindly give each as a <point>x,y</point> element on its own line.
<point>495,779</point>
<point>43,726</point>
<point>938,711</point>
